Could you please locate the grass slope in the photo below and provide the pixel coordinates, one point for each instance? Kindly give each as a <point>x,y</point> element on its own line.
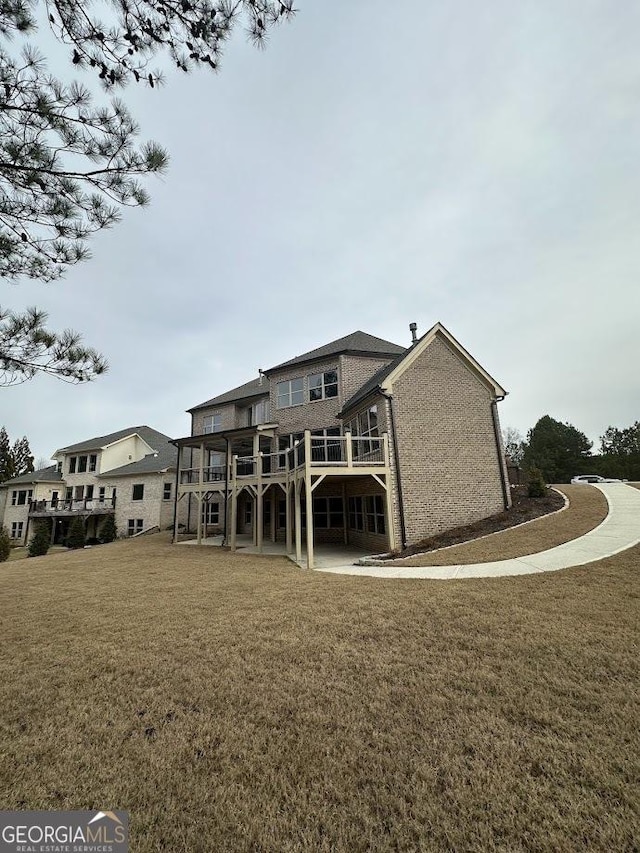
<point>587,509</point>
<point>240,704</point>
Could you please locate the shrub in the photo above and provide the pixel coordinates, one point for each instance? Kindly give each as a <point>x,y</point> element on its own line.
<point>40,541</point>
<point>536,486</point>
<point>5,544</point>
<point>109,529</point>
<point>75,536</point>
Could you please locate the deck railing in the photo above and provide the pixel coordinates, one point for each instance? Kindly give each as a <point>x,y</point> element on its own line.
<point>73,505</point>
<point>339,451</point>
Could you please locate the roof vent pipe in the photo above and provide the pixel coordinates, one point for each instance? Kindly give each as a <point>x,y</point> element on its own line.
<point>413,328</point>
<point>260,376</point>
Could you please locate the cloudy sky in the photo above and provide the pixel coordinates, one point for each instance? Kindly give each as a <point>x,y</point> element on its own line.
<point>379,163</point>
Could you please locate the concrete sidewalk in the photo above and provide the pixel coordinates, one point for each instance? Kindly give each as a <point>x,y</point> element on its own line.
<point>619,531</point>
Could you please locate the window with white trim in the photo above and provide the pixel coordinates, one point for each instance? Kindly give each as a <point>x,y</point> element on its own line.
<point>134,525</point>
<point>322,386</point>
<point>290,393</point>
<point>16,529</point>
<point>166,492</point>
<point>211,512</point>
<point>258,413</point>
<point>363,426</point>
<point>93,461</point>
<point>212,423</point>
<point>138,492</point>
<point>82,464</point>
<point>21,496</point>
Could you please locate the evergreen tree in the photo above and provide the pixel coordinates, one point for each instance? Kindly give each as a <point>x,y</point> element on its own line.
<point>40,541</point>
<point>27,347</point>
<point>620,452</point>
<point>76,534</point>
<point>22,457</point>
<point>559,450</point>
<point>5,544</point>
<point>109,531</point>
<point>7,470</point>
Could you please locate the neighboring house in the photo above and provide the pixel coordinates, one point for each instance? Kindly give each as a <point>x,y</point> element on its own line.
<point>377,445</point>
<point>129,474</point>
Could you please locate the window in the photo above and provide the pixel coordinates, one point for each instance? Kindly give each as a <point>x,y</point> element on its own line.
<point>101,492</point>
<point>72,464</point>
<point>258,413</point>
<point>138,492</point>
<point>365,425</point>
<point>59,467</point>
<point>211,513</point>
<point>16,529</point>
<point>290,393</point>
<point>134,525</point>
<point>78,493</point>
<point>282,514</point>
<point>374,511</point>
<point>20,497</point>
<point>248,512</point>
<point>327,512</point>
<point>212,423</point>
<point>166,492</point>
<point>323,385</point>
<point>356,516</point>
<point>68,495</point>
<point>93,461</point>
<point>89,493</point>
<point>82,464</point>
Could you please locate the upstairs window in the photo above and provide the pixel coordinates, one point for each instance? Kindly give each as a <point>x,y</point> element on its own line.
<point>72,464</point>
<point>59,467</point>
<point>82,464</point>
<point>20,498</point>
<point>93,461</point>
<point>212,423</point>
<point>322,386</point>
<point>138,492</point>
<point>258,413</point>
<point>290,393</point>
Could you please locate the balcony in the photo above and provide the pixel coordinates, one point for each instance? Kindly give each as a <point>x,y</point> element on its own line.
<point>321,454</point>
<point>62,506</point>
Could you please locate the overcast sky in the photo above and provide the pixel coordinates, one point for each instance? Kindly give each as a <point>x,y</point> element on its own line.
<point>379,163</point>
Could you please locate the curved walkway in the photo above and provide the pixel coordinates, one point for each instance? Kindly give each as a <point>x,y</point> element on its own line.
<point>620,530</point>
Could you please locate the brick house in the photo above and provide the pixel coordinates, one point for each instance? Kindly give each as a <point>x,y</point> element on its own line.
<point>359,442</point>
<point>129,474</point>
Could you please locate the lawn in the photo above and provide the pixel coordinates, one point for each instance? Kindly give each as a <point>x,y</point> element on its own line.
<point>234,703</point>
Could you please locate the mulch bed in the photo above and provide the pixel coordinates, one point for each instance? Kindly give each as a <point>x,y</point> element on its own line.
<point>523,509</point>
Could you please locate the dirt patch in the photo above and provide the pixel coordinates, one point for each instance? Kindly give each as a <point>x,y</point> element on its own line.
<point>587,508</point>
<point>523,508</point>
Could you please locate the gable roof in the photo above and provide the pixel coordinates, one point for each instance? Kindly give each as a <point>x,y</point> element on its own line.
<point>383,379</point>
<point>44,475</point>
<point>357,343</point>
<point>164,459</point>
<point>151,436</point>
<point>254,388</point>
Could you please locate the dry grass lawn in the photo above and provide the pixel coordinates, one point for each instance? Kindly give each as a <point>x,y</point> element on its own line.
<point>232,703</point>
<point>587,509</point>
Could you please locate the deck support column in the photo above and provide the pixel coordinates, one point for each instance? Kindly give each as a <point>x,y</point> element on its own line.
<point>175,497</point>
<point>298,519</point>
<point>234,502</point>
<point>259,507</point>
<point>308,493</point>
<point>199,496</point>
<point>274,513</point>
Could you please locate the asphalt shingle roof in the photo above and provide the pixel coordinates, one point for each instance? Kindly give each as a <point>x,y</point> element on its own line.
<point>151,436</point>
<point>360,343</point>
<point>254,388</point>
<point>46,475</point>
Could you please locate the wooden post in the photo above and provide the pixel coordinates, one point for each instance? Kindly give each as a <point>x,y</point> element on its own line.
<point>347,437</point>
<point>275,494</point>
<point>259,508</point>
<point>298,515</point>
<point>308,497</point>
<point>175,497</point>
<point>234,501</point>
<point>199,496</point>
